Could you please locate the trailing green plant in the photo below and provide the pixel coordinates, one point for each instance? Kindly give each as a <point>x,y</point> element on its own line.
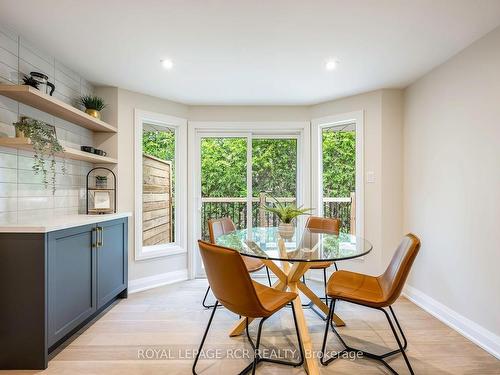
<point>93,102</point>
<point>287,213</point>
<point>45,144</point>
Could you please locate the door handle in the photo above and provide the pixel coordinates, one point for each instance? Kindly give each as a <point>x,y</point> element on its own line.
<point>94,238</point>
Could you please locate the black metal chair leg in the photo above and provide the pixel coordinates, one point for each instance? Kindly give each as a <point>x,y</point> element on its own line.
<point>324,282</point>
<point>204,337</point>
<point>323,347</point>
<point>401,346</point>
<point>335,265</point>
<point>405,342</point>
<point>256,355</point>
<point>398,341</point>
<point>205,299</point>
<point>269,277</point>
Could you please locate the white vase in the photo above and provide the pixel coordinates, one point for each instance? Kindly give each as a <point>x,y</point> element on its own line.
<point>286,230</point>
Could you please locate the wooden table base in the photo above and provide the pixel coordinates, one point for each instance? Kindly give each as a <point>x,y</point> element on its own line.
<point>289,279</point>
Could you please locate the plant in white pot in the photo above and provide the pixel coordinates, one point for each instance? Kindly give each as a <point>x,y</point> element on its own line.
<point>286,215</point>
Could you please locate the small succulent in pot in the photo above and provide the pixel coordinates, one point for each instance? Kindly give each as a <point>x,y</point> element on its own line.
<point>286,214</point>
<point>93,105</point>
<point>45,144</point>
<point>30,81</point>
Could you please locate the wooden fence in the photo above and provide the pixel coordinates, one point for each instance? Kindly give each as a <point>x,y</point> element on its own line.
<point>156,201</point>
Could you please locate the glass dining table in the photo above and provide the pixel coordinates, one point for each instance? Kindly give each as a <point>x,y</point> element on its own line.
<point>289,255</point>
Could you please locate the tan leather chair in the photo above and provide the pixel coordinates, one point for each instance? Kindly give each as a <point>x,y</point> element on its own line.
<point>218,227</point>
<point>322,225</point>
<point>234,289</point>
<point>377,292</point>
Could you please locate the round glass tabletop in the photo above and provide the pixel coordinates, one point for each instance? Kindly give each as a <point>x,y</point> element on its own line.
<point>302,246</point>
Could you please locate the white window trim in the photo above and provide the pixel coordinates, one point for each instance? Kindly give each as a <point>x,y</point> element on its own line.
<point>180,126</point>
<point>317,126</point>
<point>271,128</point>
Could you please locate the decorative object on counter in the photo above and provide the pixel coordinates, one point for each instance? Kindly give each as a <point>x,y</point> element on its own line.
<point>43,80</point>
<point>101,182</point>
<point>93,105</point>
<point>100,152</point>
<point>30,81</point>
<point>286,214</point>
<point>101,197</point>
<point>45,144</point>
<point>88,149</point>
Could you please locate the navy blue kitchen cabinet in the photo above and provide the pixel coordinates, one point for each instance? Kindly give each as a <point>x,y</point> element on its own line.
<point>54,283</point>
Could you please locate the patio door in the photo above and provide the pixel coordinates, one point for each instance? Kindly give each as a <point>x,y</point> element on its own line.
<point>238,173</point>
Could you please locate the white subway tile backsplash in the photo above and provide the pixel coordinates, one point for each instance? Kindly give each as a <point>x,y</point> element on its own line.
<point>8,160</point>
<point>8,204</point>
<point>8,75</point>
<point>8,175</point>
<point>8,190</point>
<point>34,203</point>
<point>8,43</point>
<point>8,58</point>
<point>22,192</point>
<point>9,104</point>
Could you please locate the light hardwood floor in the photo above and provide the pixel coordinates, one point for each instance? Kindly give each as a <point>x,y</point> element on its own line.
<point>171,320</point>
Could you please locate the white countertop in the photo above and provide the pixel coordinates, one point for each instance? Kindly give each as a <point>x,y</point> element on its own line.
<point>49,224</point>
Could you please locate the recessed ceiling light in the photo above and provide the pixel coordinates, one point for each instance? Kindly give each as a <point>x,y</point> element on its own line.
<point>167,64</point>
<point>331,64</point>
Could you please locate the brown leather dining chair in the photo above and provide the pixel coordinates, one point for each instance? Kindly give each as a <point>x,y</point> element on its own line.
<point>323,225</point>
<point>218,227</point>
<point>377,292</point>
<point>236,291</point>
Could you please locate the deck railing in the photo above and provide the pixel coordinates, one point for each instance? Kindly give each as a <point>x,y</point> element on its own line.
<point>342,208</point>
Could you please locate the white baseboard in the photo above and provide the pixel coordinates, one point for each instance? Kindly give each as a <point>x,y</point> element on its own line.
<point>466,327</point>
<point>145,283</point>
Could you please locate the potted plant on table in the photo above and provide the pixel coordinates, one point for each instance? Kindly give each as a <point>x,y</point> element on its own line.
<point>43,138</point>
<point>286,215</point>
<point>93,105</point>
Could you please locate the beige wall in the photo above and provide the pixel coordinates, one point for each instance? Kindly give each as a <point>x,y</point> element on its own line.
<point>123,114</point>
<point>249,113</point>
<point>452,181</point>
<point>371,104</point>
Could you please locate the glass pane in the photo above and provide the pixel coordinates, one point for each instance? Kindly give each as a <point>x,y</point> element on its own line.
<point>223,181</point>
<point>274,174</point>
<point>158,193</point>
<point>339,174</point>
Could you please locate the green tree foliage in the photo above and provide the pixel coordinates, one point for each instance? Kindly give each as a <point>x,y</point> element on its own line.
<point>339,163</point>
<point>223,163</point>
<point>160,144</point>
<point>274,166</point>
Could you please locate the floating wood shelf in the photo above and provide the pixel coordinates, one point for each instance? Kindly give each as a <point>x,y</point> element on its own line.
<point>46,103</point>
<point>70,153</point>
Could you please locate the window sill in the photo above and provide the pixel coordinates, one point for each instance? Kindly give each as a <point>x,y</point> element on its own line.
<point>160,252</point>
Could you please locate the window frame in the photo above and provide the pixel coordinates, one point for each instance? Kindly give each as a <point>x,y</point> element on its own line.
<point>317,126</point>
<point>179,125</point>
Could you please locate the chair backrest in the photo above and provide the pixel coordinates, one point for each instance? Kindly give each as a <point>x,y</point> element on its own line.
<point>322,224</point>
<point>218,227</point>
<point>229,279</point>
<point>393,279</point>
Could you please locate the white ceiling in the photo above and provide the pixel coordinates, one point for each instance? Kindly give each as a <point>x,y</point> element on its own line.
<point>254,51</point>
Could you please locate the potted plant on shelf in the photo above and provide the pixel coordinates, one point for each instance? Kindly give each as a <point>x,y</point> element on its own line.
<point>286,215</point>
<point>93,105</point>
<point>42,137</point>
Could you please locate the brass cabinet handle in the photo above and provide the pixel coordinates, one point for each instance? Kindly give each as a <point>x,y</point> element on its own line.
<point>94,232</point>
<point>99,237</point>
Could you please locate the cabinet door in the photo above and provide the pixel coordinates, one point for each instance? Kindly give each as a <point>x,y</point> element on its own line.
<point>111,260</point>
<point>71,279</point>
